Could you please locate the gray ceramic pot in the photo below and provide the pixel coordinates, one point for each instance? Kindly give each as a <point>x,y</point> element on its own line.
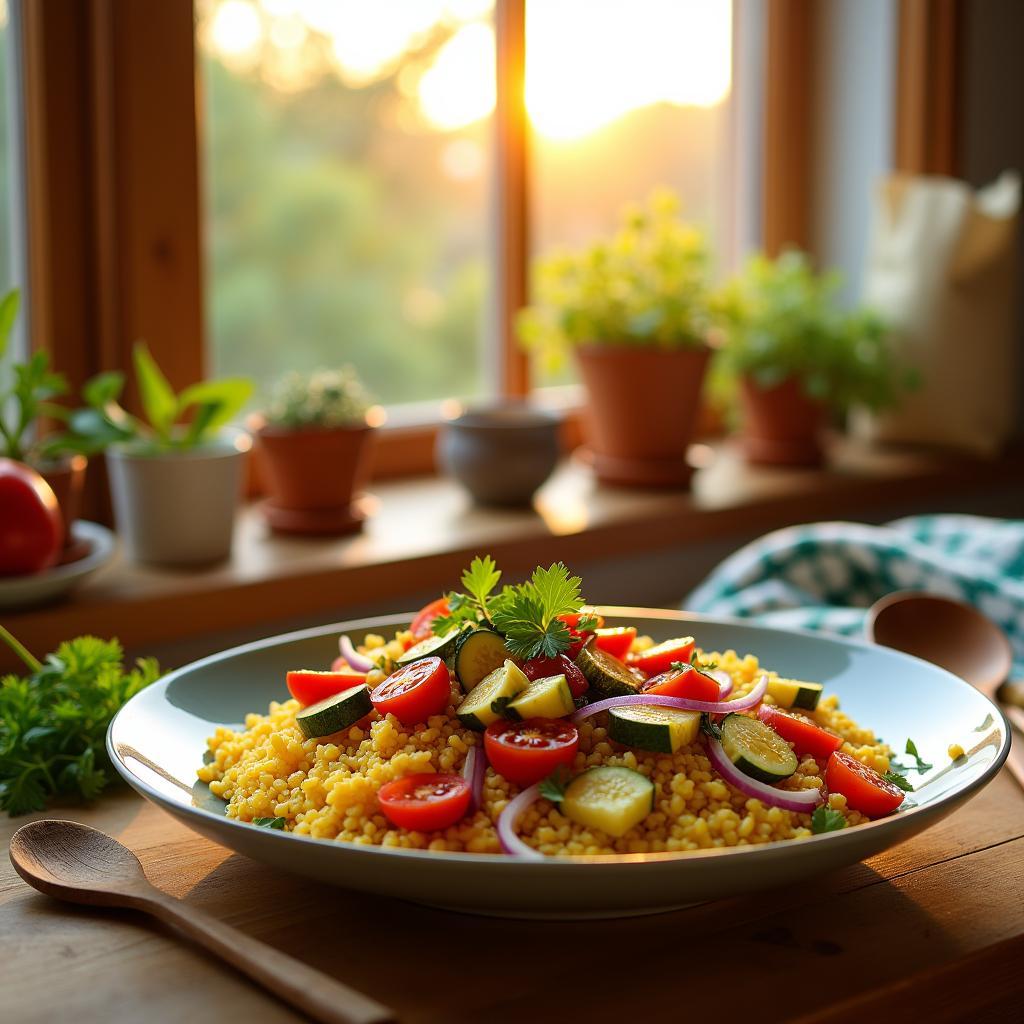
<point>178,508</point>
<point>500,454</point>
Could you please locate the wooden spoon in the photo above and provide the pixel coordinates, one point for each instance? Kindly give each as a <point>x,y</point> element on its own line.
<point>83,865</point>
<point>954,636</point>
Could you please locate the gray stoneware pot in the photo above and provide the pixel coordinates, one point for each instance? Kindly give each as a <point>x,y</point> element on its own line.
<point>501,454</point>
<point>178,508</point>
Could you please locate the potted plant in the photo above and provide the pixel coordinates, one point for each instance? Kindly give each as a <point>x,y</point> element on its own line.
<point>175,476</point>
<point>799,358</point>
<point>28,399</point>
<point>635,311</point>
<point>314,443</point>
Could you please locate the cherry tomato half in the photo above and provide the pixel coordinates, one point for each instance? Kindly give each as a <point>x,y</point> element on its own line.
<point>426,801</point>
<point>689,683</point>
<point>865,790</point>
<point>526,752</point>
<point>308,686</point>
<point>806,736</point>
<point>660,657</point>
<point>31,528</point>
<point>414,692</point>
<point>617,641</point>
<point>572,619</point>
<point>541,668</point>
<point>424,619</point>
<point>580,637</point>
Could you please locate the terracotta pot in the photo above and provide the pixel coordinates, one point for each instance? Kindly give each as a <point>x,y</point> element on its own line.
<point>642,408</point>
<point>312,476</point>
<point>500,454</point>
<point>781,425</point>
<point>67,478</point>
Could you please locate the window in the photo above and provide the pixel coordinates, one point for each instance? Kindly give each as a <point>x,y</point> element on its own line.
<point>347,150</point>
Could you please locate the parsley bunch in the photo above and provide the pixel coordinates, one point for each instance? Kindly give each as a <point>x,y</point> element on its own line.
<point>53,722</point>
<point>527,614</point>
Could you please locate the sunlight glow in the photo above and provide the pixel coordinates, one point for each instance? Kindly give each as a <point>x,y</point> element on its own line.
<point>589,62</point>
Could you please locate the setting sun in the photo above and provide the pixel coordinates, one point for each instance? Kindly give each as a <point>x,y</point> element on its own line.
<point>589,62</point>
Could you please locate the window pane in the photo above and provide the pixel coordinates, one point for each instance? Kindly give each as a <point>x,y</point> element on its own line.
<point>639,100</point>
<point>346,150</point>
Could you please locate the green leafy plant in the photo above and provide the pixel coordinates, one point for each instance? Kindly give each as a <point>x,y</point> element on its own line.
<point>526,614</point>
<point>29,396</point>
<point>781,320</point>
<point>646,285</point>
<point>173,422</point>
<point>53,721</point>
<point>825,819</point>
<point>325,398</point>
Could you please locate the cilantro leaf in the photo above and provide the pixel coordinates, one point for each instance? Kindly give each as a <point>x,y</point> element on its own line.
<point>528,614</point>
<point>553,787</point>
<point>922,765</point>
<point>53,722</point>
<point>898,780</point>
<point>480,579</point>
<point>825,819</point>
<point>269,822</point>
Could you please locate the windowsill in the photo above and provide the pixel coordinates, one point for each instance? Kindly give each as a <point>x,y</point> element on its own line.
<point>421,532</point>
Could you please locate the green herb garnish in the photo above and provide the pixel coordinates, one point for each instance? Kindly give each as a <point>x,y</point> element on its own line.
<point>553,787</point>
<point>528,614</point>
<point>922,765</point>
<point>898,779</point>
<point>53,722</point>
<point>478,582</point>
<point>824,819</point>
<point>269,822</point>
<point>697,666</point>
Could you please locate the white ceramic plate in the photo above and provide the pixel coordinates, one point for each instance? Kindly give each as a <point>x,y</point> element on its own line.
<point>28,591</point>
<point>157,742</point>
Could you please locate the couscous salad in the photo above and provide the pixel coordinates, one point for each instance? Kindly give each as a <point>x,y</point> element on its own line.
<point>514,721</point>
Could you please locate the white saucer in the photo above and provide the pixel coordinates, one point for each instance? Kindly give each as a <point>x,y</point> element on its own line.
<point>19,592</point>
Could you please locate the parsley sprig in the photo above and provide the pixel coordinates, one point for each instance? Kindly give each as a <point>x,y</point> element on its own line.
<point>825,819</point>
<point>53,722</point>
<point>526,614</point>
<point>695,664</point>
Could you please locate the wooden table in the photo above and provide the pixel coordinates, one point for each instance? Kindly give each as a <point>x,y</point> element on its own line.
<point>933,929</point>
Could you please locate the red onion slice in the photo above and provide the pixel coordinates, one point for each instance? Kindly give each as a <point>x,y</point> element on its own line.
<point>473,772</point>
<point>711,707</point>
<point>510,842</point>
<point>789,800</point>
<point>723,679</point>
<point>357,661</point>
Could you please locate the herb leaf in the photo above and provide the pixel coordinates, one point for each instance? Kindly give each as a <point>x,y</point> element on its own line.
<point>553,787</point>
<point>53,722</point>
<point>825,819</point>
<point>922,765</point>
<point>898,780</point>
<point>269,822</point>
<point>528,614</point>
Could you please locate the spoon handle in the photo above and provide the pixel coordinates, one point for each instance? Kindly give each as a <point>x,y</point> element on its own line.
<point>292,981</point>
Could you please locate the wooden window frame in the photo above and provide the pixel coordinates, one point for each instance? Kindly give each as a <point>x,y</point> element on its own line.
<point>114,205</point>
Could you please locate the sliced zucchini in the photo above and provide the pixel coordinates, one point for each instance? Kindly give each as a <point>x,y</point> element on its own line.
<point>478,652</point>
<point>335,713</point>
<point>442,647</point>
<point>608,676</point>
<point>663,730</point>
<point>793,693</point>
<point>611,799</point>
<point>756,749</point>
<point>549,697</point>
<point>507,681</point>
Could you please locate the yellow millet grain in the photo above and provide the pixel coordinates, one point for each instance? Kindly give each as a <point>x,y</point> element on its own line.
<point>327,787</point>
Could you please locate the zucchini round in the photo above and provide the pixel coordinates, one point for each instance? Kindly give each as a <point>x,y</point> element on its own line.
<point>795,693</point>
<point>607,676</point>
<point>658,729</point>
<point>478,652</point>
<point>339,712</point>
<point>442,647</point>
<point>756,749</point>
<point>477,710</point>
<point>609,798</point>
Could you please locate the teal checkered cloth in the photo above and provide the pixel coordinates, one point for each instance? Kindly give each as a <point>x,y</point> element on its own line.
<point>824,576</point>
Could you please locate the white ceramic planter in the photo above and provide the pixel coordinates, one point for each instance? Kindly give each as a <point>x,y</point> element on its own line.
<point>178,508</point>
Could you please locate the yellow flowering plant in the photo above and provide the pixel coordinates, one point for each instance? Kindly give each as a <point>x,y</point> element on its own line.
<point>646,285</point>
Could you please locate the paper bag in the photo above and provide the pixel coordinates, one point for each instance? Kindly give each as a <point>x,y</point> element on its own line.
<point>940,271</point>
